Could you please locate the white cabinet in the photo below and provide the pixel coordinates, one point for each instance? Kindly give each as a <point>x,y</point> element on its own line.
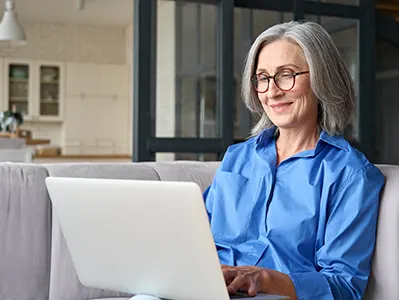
<point>50,90</point>
<point>35,88</point>
<point>96,109</point>
<point>81,79</point>
<point>105,80</point>
<point>114,80</point>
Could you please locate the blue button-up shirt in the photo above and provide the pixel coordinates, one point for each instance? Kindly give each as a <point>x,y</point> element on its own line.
<point>312,217</point>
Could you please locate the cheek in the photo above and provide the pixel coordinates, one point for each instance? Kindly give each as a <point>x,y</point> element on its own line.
<point>262,99</point>
<point>302,94</point>
<point>302,90</point>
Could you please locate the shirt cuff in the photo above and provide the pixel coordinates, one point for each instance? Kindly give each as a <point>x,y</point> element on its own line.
<point>311,285</point>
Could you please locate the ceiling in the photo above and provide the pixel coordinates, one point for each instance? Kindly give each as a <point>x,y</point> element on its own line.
<point>95,12</point>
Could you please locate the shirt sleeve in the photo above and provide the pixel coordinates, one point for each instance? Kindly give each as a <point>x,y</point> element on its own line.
<point>344,260</point>
<point>207,206</point>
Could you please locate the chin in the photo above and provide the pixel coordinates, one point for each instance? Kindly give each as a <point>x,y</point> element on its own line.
<point>280,123</point>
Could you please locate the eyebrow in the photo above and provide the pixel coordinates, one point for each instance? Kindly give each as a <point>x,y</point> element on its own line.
<point>278,68</point>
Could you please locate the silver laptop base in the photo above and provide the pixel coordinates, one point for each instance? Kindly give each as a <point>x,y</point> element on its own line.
<point>144,297</point>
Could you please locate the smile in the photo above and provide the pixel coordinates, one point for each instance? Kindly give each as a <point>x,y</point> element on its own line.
<point>280,107</point>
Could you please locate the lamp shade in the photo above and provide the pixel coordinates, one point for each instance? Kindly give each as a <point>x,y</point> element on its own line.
<point>10,28</point>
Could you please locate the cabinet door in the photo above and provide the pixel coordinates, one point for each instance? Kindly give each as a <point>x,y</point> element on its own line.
<point>50,90</point>
<point>113,80</point>
<point>19,86</point>
<point>82,79</point>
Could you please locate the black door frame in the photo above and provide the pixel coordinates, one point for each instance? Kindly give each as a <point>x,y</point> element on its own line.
<point>146,144</point>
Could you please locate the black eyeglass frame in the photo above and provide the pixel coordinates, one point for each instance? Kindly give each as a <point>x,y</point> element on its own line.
<point>254,80</point>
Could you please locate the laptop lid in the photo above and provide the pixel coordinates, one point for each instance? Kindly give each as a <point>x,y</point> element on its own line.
<point>139,237</point>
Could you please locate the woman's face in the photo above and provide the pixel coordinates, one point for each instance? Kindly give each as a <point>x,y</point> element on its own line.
<point>286,109</point>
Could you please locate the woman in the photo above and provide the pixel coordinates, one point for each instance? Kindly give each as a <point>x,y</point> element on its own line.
<point>293,210</point>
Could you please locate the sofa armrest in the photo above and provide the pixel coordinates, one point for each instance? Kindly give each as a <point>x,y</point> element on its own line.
<point>25,232</point>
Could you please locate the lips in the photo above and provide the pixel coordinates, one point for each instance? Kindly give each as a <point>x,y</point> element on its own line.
<point>280,105</point>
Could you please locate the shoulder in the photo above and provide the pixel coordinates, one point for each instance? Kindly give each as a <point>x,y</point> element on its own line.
<point>237,149</point>
<point>246,150</point>
<point>348,166</point>
<point>239,154</point>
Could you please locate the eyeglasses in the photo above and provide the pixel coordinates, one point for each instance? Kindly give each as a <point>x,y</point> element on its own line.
<point>284,80</point>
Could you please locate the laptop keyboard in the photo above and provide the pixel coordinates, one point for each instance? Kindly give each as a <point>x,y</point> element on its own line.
<point>239,295</point>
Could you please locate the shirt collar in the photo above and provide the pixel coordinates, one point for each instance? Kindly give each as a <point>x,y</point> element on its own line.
<point>336,141</point>
<point>266,134</point>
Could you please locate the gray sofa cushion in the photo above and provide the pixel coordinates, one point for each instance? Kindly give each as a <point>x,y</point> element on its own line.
<point>102,170</point>
<point>25,216</point>
<point>201,173</point>
<point>12,143</point>
<point>384,278</point>
<point>64,283</point>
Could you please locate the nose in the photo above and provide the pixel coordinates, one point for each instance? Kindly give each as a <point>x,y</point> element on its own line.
<point>273,91</point>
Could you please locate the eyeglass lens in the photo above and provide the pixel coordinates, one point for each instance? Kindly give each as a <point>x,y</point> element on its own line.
<point>284,81</point>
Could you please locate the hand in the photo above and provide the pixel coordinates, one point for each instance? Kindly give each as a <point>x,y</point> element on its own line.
<point>248,279</point>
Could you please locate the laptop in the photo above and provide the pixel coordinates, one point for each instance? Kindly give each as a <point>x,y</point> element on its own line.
<point>140,237</point>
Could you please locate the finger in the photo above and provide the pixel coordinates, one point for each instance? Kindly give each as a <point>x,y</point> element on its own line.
<point>223,266</point>
<point>253,288</point>
<point>239,283</point>
<point>229,274</point>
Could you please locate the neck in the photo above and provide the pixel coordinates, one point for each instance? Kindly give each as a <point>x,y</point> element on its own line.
<point>295,140</point>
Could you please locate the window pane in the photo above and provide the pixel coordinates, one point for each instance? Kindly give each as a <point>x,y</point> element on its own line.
<point>186,65</point>
<point>263,19</point>
<point>387,110</point>
<point>344,33</point>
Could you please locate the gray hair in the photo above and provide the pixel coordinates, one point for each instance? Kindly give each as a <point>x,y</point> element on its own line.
<point>330,79</point>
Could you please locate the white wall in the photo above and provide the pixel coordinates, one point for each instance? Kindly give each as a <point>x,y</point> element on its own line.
<point>129,62</point>
<point>165,94</point>
<point>50,41</point>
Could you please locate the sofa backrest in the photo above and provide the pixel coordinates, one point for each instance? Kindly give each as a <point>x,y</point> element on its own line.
<point>384,277</point>
<point>25,232</point>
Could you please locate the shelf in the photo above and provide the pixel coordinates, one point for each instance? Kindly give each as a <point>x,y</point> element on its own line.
<point>43,119</point>
<point>49,82</point>
<point>45,101</point>
<point>19,99</point>
<point>19,80</point>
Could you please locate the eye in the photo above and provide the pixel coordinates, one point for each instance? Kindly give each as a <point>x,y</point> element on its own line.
<point>285,76</point>
<point>262,77</point>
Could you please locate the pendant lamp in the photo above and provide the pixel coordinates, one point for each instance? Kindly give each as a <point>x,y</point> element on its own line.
<point>10,29</point>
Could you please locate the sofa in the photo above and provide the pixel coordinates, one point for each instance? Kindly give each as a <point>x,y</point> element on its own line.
<point>35,262</point>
